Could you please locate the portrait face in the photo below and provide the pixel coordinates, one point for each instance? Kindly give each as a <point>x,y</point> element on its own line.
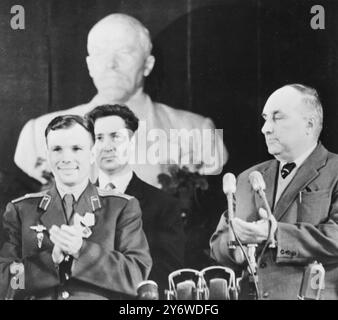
<point>69,154</point>
<point>113,144</point>
<point>117,61</point>
<point>286,128</point>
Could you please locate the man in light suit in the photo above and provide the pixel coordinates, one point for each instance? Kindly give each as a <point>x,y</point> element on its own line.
<point>115,128</point>
<point>74,241</point>
<point>302,191</point>
<point>119,60</point>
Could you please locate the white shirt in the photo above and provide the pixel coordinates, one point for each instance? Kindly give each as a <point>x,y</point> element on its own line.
<point>120,180</point>
<point>283,183</point>
<point>76,191</point>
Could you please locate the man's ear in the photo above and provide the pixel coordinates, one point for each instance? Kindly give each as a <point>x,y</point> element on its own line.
<point>132,141</point>
<point>92,157</point>
<point>46,154</point>
<point>89,65</point>
<point>149,65</point>
<point>311,124</point>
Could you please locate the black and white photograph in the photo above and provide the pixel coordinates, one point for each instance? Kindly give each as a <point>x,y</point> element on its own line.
<point>168,150</point>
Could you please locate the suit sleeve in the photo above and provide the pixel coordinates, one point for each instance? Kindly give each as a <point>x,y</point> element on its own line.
<point>167,244</point>
<point>40,271</point>
<point>302,242</point>
<point>219,249</point>
<point>123,267</point>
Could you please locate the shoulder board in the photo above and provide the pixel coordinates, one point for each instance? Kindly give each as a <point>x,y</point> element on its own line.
<point>112,193</point>
<point>28,196</point>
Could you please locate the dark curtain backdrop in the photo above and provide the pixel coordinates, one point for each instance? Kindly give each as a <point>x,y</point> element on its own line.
<point>219,58</point>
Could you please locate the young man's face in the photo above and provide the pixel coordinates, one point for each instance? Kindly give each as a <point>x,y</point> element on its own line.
<point>69,154</point>
<point>113,144</point>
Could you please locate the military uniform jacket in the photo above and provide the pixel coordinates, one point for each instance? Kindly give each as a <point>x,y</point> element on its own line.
<point>112,261</point>
<point>307,218</point>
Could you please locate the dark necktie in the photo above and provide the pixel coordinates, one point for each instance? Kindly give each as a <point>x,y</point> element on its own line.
<point>287,168</point>
<point>68,202</point>
<point>66,265</point>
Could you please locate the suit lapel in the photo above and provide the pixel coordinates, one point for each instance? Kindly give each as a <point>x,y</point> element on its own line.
<point>53,212</point>
<point>135,189</point>
<point>89,201</point>
<point>305,174</point>
<point>269,176</point>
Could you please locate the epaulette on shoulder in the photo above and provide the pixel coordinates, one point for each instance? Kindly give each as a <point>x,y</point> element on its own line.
<point>28,196</point>
<point>113,193</point>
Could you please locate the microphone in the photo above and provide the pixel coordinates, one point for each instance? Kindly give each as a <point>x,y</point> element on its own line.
<point>147,290</point>
<point>186,290</point>
<point>218,289</point>
<point>258,185</point>
<point>229,188</point>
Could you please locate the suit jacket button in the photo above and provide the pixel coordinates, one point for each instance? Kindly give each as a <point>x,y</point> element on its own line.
<point>65,295</point>
<point>263,265</point>
<point>265,294</point>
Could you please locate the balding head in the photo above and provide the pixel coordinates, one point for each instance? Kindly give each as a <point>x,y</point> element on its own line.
<point>120,25</point>
<point>293,121</point>
<point>119,58</point>
<point>312,105</point>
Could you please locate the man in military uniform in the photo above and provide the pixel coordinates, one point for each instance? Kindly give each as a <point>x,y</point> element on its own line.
<point>73,241</point>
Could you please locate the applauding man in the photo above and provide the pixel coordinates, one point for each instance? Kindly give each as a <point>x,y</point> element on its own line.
<point>74,241</point>
<point>302,192</point>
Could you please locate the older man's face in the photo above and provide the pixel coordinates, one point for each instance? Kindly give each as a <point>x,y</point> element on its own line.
<point>117,61</point>
<point>286,128</point>
<point>113,144</point>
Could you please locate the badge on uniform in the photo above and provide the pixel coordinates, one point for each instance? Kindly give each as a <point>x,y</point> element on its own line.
<point>83,223</point>
<point>39,233</point>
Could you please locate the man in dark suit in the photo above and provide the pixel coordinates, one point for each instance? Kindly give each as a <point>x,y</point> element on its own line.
<point>114,128</point>
<point>73,241</point>
<point>302,191</point>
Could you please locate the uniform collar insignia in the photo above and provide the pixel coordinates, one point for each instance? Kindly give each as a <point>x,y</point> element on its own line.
<point>44,203</point>
<point>95,202</point>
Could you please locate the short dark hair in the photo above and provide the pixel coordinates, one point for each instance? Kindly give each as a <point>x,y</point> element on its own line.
<point>68,121</point>
<point>106,110</point>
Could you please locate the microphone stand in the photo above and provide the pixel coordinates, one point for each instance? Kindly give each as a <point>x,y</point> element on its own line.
<point>271,239</point>
<point>252,269</point>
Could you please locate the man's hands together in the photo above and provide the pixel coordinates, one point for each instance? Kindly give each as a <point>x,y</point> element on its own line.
<point>67,241</point>
<point>254,232</point>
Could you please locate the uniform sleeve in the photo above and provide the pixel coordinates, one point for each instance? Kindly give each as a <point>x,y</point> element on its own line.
<point>302,242</point>
<point>40,271</point>
<point>123,267</point>
<point>167,244</point>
